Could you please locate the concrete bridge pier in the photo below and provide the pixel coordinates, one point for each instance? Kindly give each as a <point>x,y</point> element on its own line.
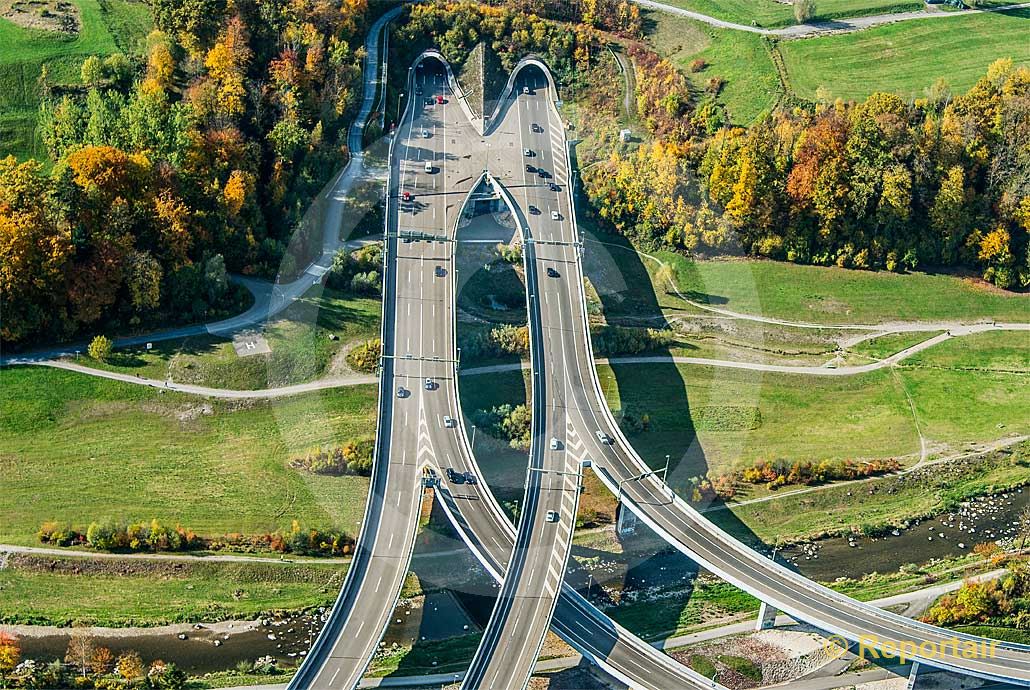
<point>913,675</point>
<point>766,617</point>
<point>626,523</point>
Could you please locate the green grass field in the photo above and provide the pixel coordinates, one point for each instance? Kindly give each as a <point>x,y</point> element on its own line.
<point>77,448</point>
<point>742,59</point>
<point>886,345</point>
<point>155,594</point>
<point>107,26</point>
<point>826,295</point>
<point>739,417</point>
<point>768,13</point>
<point>299,339</point>
<point>906,57</point>
<point>997,351</point>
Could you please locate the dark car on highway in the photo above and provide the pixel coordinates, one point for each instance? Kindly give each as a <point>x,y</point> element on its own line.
<point>455,477</point>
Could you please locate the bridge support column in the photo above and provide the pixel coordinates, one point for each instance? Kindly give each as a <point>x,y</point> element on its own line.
<point>913,675</point>
<point>627,520</point>
<point>766,617</point>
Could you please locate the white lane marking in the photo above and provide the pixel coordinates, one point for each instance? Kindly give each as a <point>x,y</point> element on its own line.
<point>379,583</point>
<point>334,676</point>
<point>360,626</point>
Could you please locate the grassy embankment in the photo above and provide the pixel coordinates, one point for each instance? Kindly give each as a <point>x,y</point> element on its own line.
<point>739,417</point>
<point>107,26</point>
<point>880,502</point>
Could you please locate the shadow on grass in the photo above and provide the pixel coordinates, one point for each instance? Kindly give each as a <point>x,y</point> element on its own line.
<point>653,408</point>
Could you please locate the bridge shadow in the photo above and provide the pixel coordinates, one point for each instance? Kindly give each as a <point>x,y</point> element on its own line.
<point>652,403</point>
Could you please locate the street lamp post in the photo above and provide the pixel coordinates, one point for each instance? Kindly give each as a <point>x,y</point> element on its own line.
<point>473,438</point>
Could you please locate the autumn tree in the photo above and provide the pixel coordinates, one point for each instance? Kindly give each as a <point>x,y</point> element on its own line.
<point>130,666</point>
<point>81,646</point>
<point>804,10</point>
<point>160,65</point>
<point>102,661</point>
<point>10,652</point>
<point>227,62</point>
<point>35,249</point>
<point>100,348</point>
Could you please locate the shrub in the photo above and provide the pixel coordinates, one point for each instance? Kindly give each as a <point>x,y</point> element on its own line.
<point>715,85</point>
<point>100,348</point>
<point>10,652</point>
<point>511,340</point>
<point>804,10</point>
<point>58,535</point>
<point>698,65</point>
<point>510,422</point>
<point>510,253</point>
<point>779,473</point>
<point>617,340</point>
<point>357,271</point>
<point>365,357</point>
<point>353,457</point>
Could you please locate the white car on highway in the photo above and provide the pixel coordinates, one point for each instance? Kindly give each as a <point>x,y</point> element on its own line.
<point>555,215</point>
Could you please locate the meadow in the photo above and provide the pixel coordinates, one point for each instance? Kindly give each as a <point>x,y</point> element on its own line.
<point>107,26</point>
<point>715,420</point>
<point>831,295</point>
<point>907,57</point>
<point>76,448</point>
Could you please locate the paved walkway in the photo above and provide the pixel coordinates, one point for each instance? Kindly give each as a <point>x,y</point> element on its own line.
<point>206,558</point>
<point>822,27</point>
<point>951,330</point>
<point>223,393</point>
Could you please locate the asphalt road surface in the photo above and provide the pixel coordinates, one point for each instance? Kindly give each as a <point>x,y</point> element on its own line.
<point>532,138</point>
<point>417,381</point>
